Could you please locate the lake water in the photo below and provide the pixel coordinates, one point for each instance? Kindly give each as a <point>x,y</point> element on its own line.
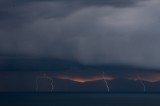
<point>79,99</point>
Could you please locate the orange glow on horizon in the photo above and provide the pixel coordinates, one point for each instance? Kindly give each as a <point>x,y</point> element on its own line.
<point>84,80</point>
<point>151,77</point>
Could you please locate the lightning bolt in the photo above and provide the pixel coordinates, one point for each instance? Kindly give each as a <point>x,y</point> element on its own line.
<point>106,83</point>
<point>142,83</point>
<point>44,77</point>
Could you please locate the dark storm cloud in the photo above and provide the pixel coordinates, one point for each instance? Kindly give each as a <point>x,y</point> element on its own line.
<point>84,2</point>
<point>8,7</point>
<point>59,68</point>
<point>90,34</point>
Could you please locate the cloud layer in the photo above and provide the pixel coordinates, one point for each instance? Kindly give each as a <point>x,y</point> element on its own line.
<point>91,34</point>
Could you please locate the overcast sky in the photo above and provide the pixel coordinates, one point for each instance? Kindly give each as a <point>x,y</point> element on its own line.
<point>87,31</point>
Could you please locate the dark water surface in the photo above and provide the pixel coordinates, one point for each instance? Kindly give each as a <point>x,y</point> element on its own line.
<point>79,99</point>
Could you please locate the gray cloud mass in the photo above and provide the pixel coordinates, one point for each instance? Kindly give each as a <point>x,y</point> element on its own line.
<point>89,32</point>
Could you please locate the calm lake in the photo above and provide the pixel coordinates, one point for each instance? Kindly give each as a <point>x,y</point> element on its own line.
<point>79,99</point>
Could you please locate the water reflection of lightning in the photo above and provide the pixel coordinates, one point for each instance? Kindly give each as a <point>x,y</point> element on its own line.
<point>44,77</point>
<point>106,83</point>
<point>142,83</point>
